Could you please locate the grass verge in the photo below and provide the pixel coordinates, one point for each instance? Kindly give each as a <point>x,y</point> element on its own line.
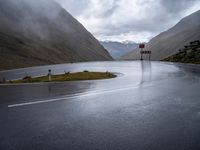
<point>85,75</point>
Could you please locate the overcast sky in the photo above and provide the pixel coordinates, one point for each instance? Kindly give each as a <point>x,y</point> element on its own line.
<point>132,20</point>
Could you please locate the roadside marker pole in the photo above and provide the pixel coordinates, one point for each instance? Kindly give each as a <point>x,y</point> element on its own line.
<point>49,75</point>
<point>141,46</point>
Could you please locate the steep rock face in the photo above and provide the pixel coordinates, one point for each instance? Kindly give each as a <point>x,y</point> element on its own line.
<point>169,42</point>
<point>42,32</point>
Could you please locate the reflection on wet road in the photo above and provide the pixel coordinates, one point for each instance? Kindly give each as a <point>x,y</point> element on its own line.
<point>150,105</point>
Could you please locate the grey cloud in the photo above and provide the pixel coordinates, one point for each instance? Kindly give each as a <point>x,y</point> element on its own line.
<point>75,7</point>
<point>123,17</point>
<point>111,10</point>
<point>174,6</point>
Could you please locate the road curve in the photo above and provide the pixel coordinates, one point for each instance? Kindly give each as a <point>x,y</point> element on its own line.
<point>150,105</point>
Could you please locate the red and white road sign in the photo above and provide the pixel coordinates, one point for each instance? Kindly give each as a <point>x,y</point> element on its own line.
<point>141,46</point>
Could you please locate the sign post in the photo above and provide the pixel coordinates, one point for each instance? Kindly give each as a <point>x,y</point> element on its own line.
<point>146,52</point>
<point>143,52</point>
<point>141,46</point>
<point>149,55</point>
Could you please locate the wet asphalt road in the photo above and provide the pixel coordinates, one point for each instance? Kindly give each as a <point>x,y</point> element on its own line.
<point>149,106</point>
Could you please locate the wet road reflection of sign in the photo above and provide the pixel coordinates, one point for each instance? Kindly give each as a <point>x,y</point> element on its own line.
<point>146,72</point>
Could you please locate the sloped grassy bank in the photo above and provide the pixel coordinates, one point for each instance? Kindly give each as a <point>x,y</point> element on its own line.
<point>77,76</point>
<point>189,54</point>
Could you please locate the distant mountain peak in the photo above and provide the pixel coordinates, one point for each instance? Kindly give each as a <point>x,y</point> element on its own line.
<point>117,49</point>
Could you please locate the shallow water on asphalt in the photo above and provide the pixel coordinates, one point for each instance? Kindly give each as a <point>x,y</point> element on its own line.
<point>149,106</point>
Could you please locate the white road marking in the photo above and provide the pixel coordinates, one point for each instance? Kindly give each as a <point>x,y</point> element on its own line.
<point>72,96</point>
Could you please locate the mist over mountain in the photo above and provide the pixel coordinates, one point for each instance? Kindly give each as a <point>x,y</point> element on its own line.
<point>42,32</point>
<point>117,49</point>
<point>169,42</point>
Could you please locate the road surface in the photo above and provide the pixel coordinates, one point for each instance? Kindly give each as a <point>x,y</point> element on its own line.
<point>149,106</point>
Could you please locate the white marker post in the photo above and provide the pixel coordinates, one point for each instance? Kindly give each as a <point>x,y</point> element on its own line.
<point>49,75</point>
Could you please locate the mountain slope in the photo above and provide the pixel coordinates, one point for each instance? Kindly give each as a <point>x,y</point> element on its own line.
<point>189,54</point>
<point>169,42</point>
<point>42,32</point>
<point>117,49</point>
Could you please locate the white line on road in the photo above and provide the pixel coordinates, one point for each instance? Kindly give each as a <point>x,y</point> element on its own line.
<point>72,96</point>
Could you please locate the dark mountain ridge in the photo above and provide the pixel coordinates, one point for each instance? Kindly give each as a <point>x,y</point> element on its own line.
<point>42,32</point>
